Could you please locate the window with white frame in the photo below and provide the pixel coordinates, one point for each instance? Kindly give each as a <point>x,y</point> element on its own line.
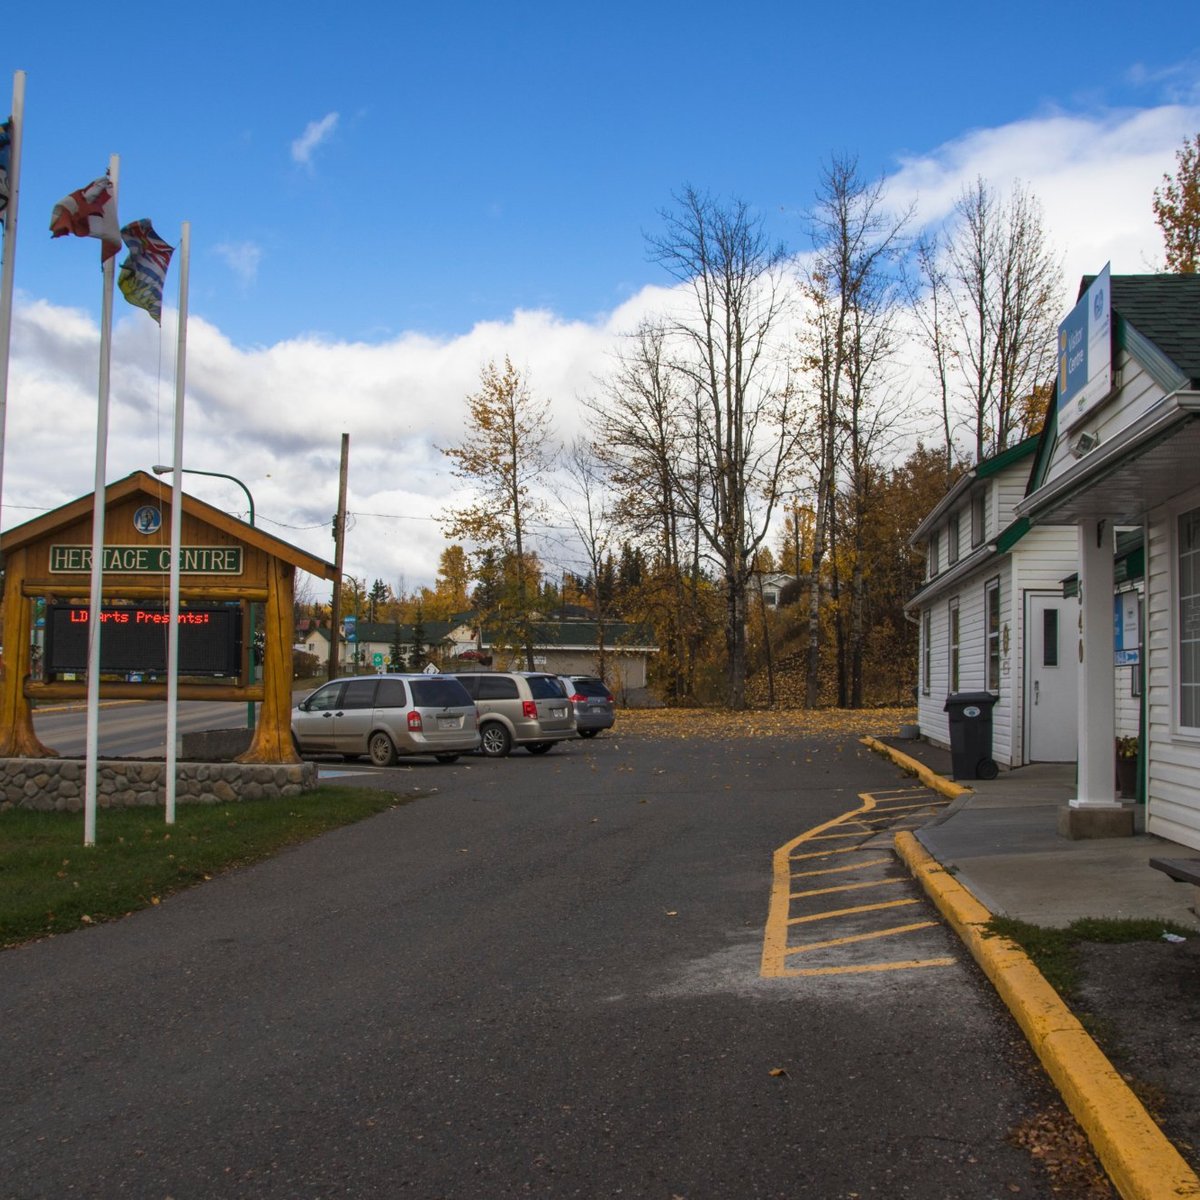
<point>926,650</point>
<point>953,643</point>
<point>1189,619</point>
<point>991,616</point>
<point>952,539</point>
<point>978,517</point>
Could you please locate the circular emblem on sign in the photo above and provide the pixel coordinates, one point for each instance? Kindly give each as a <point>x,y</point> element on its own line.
<point>1098,304</point>
<point>147,519</point>
<point>970,711</point>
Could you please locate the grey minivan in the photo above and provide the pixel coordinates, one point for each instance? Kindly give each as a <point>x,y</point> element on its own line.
<point>519,708</point>
<point>387,716</point>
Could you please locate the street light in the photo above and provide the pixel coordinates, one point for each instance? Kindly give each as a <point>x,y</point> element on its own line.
<point>163,469</point>
<point>166,469</point>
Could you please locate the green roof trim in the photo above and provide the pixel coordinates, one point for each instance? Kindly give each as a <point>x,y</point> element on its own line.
<point>997,463</point>
<point>1013,534</point>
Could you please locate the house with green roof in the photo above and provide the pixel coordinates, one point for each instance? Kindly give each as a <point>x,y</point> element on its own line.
<point>992,616</point>
<point>1121,452</point>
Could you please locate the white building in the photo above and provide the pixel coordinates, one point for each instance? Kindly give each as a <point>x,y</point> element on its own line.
<point>1122,449</point>
<point>992,613</point>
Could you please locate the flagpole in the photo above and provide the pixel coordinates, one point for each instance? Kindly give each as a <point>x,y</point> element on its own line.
<point>185,238</point>
<point>98,504</point>
<point>10,252</point>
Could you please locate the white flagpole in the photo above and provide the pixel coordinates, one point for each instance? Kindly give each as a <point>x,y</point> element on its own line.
<point>185,238</point>
<point>10,252</point>
<point>97,576</point>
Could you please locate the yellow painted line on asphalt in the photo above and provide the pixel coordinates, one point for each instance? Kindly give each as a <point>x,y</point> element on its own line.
<point>826,853</point>
<point>862,937</point>
<point>825,837</point>
<point>867,968</point>
<point>849,912</point>
<point>1139,1159</point>
<point>847,887</point>
<point>856,866</point>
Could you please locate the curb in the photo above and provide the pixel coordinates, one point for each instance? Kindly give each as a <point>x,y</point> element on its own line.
<point>1140,1161</point>
<point>911,766</point>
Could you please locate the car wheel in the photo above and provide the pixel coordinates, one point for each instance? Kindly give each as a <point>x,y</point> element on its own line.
<point>382,749</point>
<point>538,747</point>
<point>494,740</point>
<point>446,758</point>
<point>588,732</point>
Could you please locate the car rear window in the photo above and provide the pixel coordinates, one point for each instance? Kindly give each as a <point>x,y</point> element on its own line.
<point>590,687</point>
<point>497,687</point>
<point>546,687</point>
<point>439,693</point>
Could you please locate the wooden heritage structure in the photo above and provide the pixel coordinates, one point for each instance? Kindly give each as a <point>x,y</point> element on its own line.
<point>223,560</point>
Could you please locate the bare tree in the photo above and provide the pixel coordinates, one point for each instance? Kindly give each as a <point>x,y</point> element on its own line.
<point>645,423</point>
<point>725,343</point>
<point>1004,285</point>
<point>850,293</point>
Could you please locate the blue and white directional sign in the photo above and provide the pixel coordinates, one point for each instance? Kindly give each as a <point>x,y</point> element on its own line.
<point>1085,353</point>
<point>1127,629</point>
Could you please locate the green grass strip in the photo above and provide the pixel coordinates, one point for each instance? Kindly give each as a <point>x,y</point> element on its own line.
<point>1055,952</point>
<point>51,883</point>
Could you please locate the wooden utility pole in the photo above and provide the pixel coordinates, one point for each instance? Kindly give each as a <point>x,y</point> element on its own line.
<point>339,532</point>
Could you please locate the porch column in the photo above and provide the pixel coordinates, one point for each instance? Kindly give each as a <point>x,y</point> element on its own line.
<point>1097,719</point>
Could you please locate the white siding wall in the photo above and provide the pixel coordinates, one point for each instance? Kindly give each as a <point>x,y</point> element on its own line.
<point>1173,782</point>
<point>1138,394</point>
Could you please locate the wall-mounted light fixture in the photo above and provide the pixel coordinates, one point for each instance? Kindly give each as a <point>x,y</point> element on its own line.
<point>1085,443</point>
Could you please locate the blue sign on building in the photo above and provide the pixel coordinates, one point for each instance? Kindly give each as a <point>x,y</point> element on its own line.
<point>1085,352</point>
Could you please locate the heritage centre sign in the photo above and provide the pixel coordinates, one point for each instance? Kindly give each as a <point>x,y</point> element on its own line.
<point>148,560</point>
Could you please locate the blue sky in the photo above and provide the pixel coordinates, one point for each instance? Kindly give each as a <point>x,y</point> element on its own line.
<point>479,180</point>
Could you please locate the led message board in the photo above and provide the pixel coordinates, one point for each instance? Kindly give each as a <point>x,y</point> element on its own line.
<point>133,639</point>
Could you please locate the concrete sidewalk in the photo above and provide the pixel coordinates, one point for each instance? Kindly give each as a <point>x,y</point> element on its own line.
<point>1001,841</point>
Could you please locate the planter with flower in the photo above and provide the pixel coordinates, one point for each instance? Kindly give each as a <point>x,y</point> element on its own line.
<point>1127,766</point>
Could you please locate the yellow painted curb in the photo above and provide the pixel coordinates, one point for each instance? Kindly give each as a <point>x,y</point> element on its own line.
<point>931,779</point>
<point>1140,1161</point>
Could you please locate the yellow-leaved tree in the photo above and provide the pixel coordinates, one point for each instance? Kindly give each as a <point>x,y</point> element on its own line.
<point>1177,209</point>
<point>506,447</point>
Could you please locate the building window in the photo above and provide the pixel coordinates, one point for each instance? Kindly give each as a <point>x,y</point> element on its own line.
<point>926,650</point>
<point>952,539</point>
<point>1050,637</point>
<point>931,558</point>
<point>991,610</point>
<point>978,518</point>
<point>1189,619</point>
<point>953,644</point>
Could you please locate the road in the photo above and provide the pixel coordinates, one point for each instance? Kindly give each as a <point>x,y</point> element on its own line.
<point>590,974</point>
<point>135,728</point>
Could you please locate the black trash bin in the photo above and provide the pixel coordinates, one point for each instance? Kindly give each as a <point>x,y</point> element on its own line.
<point>971,735</point>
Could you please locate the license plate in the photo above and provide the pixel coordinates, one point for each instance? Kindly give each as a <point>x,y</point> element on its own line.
<point>558,712</point>
<point>449,722</point>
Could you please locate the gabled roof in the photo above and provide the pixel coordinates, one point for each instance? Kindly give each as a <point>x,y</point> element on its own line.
<point>981,470</point>
<point>155,489</point>
<point>1165,310</point>
<point>583,635</point>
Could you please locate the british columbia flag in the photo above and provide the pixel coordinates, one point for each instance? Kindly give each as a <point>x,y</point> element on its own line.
<point>144,272</point>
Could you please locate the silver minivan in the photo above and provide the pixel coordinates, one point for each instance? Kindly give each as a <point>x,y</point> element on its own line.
<point>519,708</point>
<point>387,716</point>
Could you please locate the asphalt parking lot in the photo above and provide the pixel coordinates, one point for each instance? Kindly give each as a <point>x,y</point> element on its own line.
<point>568,975</point>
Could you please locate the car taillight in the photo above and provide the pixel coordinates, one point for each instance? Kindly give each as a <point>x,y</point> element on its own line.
<point>414,721</point>
<point>579,698</point>
<point>611,698</point>
<point>529,708</point>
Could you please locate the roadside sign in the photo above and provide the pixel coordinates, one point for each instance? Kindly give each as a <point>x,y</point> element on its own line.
<point>377,660</point>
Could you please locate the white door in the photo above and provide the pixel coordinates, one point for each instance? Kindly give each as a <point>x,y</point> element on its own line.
<point>1052,662</point>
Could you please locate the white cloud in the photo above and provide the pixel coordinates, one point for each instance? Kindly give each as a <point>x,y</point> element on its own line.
<point>273,415</point>
<point>242,258</point>
<point>315,134</point>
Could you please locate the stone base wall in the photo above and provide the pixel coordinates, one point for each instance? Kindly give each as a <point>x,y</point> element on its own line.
<point>57,784</point>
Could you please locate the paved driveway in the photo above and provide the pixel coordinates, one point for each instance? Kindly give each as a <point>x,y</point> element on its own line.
<point>549,977</point>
